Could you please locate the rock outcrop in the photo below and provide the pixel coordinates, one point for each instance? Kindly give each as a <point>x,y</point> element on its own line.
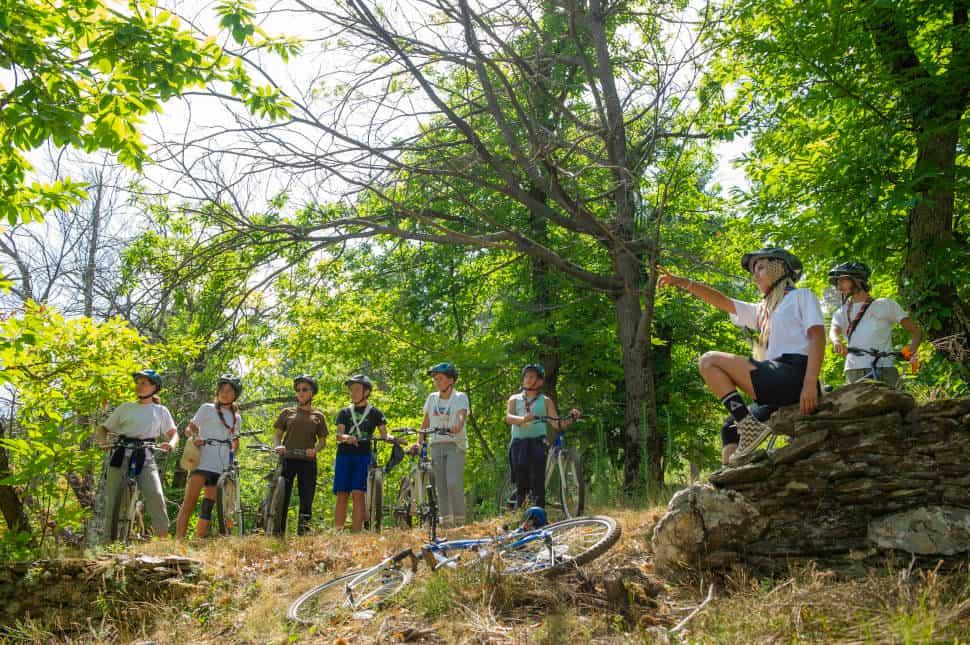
<point>870,474</point>
<point>69,588</point>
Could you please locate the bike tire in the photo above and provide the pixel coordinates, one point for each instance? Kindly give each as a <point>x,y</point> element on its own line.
<point>403,507</point>
<point>318,602</point>
<point>226,514</point>
<point>275,509</point>
<point>505,501</point>
<point>429,514</point>
<point>120,526</point>
<point>375,503</point>
<point>321,602</point>
<point>573,494</point>
<point>574,542</point>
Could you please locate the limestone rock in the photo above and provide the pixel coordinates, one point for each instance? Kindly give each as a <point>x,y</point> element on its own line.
<point>704,525</point>
<point>935,530</point>
<point>867,476</point>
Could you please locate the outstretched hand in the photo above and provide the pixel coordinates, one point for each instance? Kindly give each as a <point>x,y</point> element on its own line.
<point>668,279</point>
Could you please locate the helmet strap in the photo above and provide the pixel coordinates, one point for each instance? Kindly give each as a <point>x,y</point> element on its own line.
<point>777,282</point>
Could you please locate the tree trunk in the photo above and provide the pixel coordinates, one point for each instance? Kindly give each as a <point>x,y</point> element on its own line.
<point>11,505</point>
<point>89,266</point>
<point>927,280</point>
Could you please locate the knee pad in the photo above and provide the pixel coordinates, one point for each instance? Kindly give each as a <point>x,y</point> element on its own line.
<point>729,432</point>
<point>205,513</point>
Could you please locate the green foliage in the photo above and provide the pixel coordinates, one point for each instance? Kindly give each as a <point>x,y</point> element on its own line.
<point>86,73</point>
<point>65,374</point>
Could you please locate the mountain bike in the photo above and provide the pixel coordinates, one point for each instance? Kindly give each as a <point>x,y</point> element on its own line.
<point>229,511</point>
<point>125,520</point>
<point>875,371</point>
<point>416,494</point>
<point>374,494</point>
<point>565,487</point>
<point>272,510</point>
<point>549,550</point>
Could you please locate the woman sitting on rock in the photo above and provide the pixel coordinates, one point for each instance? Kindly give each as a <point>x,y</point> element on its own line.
<point>788,348</point>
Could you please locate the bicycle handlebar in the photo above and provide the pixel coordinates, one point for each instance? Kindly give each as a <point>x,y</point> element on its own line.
<point>429,431</point>
<point>291,452</point>
<point>565,418</point>
<point>875,353</point>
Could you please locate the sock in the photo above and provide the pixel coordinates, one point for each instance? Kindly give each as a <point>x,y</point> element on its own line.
<point>735,405</point>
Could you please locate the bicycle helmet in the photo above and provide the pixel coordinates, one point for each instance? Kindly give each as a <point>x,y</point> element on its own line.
<point>793,264</point>
<point>535,518</point>
<point>232,380</point>
<point>535,367</point>
<point>448,369</point>
<point>152,376</point>
<point>855,270</point>
<point>309,380</point>
<point>363,379</point>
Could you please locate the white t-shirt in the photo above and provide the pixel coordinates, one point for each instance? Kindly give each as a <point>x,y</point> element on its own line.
<point>797,312</point>
<point>215,457</point>
<point>874,331</point>
<point>140,421</point>
<point>443,413</point>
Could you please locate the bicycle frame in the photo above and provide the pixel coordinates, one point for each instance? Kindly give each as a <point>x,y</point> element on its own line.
<point>877,355</point>
<point>126,516</point>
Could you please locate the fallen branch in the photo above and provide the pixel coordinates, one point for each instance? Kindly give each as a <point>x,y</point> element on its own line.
<point>679,626</point>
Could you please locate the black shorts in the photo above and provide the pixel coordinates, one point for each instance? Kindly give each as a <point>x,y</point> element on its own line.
<point>211,478</point>
<point>779,381</point>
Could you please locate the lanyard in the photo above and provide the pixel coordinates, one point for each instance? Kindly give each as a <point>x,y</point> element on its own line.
<point>855,321</point>
<point>222,419</point>
<point>353,415</point>
<point>446,412</point>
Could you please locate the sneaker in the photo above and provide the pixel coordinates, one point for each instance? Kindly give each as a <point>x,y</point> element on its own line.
<point>751,432</point>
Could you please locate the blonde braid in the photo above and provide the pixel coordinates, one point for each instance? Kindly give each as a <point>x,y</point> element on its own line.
<point>775,269</point>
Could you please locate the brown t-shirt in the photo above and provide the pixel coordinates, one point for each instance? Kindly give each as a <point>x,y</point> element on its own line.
<point>300,428</point>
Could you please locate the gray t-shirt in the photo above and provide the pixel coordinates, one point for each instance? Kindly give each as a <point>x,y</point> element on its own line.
<point>138,421</point>
<point>215,457</point>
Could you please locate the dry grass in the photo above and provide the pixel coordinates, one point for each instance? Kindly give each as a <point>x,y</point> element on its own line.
<point>616,599</point>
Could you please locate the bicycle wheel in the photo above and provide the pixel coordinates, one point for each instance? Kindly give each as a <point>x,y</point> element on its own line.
<point>227,496</point>
<point>559,547</point>
<point>122,515</point>
<point>403,513</point>
<point>370,589</point>
<point>572,489</point>
<point>506,495</point>
<point>275,509</point>
<point>321,601</point>
<point>429,514</point>
<point>375,501</point>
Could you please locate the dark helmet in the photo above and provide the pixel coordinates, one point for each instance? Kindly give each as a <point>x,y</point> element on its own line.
<point>535,518</point>
<point>309,380</point>
<point>363,379</point>
<point>448,369</point>
<point>537,368</point>
<point>152,376</point>
<point>232,380</point>
<point>855,270</point>
<point>793,264</point>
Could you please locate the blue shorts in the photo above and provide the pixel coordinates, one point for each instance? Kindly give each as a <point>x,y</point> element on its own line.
<point>350,473</point>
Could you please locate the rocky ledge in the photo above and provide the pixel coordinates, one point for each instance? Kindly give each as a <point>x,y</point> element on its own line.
<point>870,475</point>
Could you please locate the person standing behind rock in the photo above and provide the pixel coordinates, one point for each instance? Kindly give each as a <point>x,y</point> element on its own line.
<point>867,323</point>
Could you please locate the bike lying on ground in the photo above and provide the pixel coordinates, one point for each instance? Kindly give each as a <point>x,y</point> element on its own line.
<point>565,488</point>
<point>550,550</point>
<point>416,494</point>
<point>272,511</point>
